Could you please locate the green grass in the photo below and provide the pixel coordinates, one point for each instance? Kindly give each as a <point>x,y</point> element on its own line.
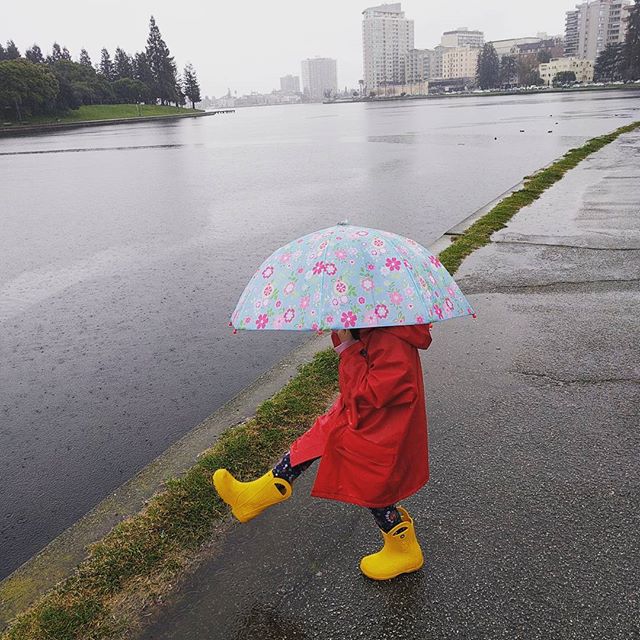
<point>108,112</point>
<point>139,560</point>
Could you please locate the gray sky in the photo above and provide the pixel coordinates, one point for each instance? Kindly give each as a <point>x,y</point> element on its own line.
<point>248,44</point>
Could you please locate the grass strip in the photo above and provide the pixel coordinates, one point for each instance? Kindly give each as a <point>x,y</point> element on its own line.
<point>139,559</point>
<point>480,232</point>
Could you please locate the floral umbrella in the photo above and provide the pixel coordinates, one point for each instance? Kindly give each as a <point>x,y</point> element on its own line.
<point>349,277</point>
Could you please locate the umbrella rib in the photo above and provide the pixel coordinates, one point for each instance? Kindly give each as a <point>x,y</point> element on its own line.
<point>321,301</point>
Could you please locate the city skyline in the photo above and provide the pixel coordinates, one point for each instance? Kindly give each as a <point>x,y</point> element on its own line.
<point>222,43</point>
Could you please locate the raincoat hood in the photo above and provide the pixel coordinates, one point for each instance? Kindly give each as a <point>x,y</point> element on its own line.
<point>417,336</point>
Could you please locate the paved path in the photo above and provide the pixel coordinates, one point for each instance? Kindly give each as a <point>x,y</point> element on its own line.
<point>530,524</point>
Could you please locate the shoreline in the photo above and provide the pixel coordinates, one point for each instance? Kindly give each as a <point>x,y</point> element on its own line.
<point>52,127</point>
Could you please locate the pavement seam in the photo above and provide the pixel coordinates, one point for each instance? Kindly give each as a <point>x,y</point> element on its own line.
<point>563,246</point>
<point>578,381</point>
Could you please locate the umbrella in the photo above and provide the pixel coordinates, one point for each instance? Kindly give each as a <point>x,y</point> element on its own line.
<point>348,277</point>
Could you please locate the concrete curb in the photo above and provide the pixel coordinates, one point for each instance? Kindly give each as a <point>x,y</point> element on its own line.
<point>58,559</point>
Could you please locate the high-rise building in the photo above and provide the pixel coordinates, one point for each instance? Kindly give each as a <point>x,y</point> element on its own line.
<point>387,36</point>
<point>593,25</point>
<point>290,84</point>
<point>319,76</point>
<point>462,37</point>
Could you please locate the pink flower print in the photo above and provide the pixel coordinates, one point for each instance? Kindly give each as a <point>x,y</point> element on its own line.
<point>448,304</point>
<point>438,311</point>
<point>362,234</point>
<point>409,306</point>
<point>403,251</point>
<point>409,291</point>
<point>435,262</point>
<point>393,264</point>
<point>335,302</point>
<point>319,268</point>
<point>419,319</point>
<point>279,323</point>
<point>247,320</point>
<point>344,299</point>
<point>378,242</point>
<point>348,319</point>
<point>370,267</point>
<point>262,320</point>
<point>451,292</point>
<point>323,245</point>
<point>300,270</point>
<point>329,319</point>
<point>367,284</point>
<point>422,281</point>
<point>267,272</point>
<point>432,279</point>
<point>278,304</point>
<point>289,315</point>
<point>361,300</point>
<point>289,287</point>
<point>314,326</point>
<point>408,265</point>
<point>370,318</point>
<point>304,302</point>
<point>285,258</point>
<point>258,304</point>
<point>352,261</point>
<point>395,298</point>
<point>341,254</point>
<point>340,287</point>
<point>382,311</point>
<point>267,291</point>
<point>330,269</point>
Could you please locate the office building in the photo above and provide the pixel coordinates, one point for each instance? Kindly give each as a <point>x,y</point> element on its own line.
<point>319,78</point>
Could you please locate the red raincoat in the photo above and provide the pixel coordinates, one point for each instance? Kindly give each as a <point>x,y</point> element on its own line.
<point>373,440</point>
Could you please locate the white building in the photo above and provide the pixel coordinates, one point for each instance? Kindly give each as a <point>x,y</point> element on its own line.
<point>417,67</point>
<point>290,84</point>
<point>460,62</point>
<point>462,37</point>
<point>594,25</point>
<point>319,76</point>
<point>582,67</point>
<point>387,36</point>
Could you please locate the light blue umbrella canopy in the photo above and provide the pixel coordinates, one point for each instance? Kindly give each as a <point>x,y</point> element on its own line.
<point>347,277</point>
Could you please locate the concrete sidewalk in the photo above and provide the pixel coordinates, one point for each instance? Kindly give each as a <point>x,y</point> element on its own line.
<point>530,524</point>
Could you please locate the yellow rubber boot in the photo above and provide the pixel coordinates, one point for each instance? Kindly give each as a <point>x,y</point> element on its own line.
<point>401,552</point>
<point>248,499</point>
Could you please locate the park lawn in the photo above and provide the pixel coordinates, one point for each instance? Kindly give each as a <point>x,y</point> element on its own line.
<point>109,112</point>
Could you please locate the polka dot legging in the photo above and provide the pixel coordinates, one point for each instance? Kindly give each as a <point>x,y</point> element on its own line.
<point>386,517</point>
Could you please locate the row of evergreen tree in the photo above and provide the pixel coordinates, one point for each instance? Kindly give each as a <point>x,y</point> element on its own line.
<point>617,62</point>
<point>52,84</point>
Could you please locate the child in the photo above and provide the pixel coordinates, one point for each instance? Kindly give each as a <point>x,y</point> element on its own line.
<point>372,444</point>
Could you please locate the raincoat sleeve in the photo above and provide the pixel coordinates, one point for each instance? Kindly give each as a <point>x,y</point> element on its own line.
<point>380,377</point>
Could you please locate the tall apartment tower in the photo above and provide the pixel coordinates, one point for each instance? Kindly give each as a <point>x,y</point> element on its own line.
<point>319,75</point>
<point>591,26</point>
<point>387,36</point>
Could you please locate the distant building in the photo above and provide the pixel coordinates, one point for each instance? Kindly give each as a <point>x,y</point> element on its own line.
<point>554,45</point>
<point>460,62</point>
<point>582,67</point>
<point>417,65</point>
<point>507,47</point>
<point>594,25</point>
<point>387,36</point>
<point>290,84</point>
<point>319,76</point>
<point>462,37</point>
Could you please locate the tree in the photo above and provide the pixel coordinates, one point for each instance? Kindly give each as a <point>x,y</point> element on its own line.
<point>106,66</point>
<point>122,65</point>
<point>191,86</point>
<point>85,59</point>
<point>544,56</point>
<point>161,64</point>
<point>508,71</point>
<point>26,88</point>
<point>564,78</point>
<point>3,52</point>
<point>11,52</point>
<point>610,64</point>
<point>56,54</point>
<point>488,73</point>
<point>142,72</point>
<point>128,90</point>
<point>80,84</point>
<point>65,54</point>
<point>528,70</point>
<point>34,54</point>
<point>632,44</point>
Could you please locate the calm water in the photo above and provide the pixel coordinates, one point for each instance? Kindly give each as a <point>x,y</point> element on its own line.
<point>124,249</point>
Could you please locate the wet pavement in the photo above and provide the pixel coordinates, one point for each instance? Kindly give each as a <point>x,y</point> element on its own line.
<point>530,521</point>
<point>124,249</point>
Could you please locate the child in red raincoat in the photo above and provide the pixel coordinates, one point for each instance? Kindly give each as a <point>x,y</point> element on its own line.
<point>372,444</point>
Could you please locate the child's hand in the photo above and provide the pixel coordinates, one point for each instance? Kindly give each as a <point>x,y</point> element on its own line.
<point>344,335</point>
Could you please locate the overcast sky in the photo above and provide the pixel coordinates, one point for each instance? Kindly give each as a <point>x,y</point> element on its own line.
<point>248,44</point>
